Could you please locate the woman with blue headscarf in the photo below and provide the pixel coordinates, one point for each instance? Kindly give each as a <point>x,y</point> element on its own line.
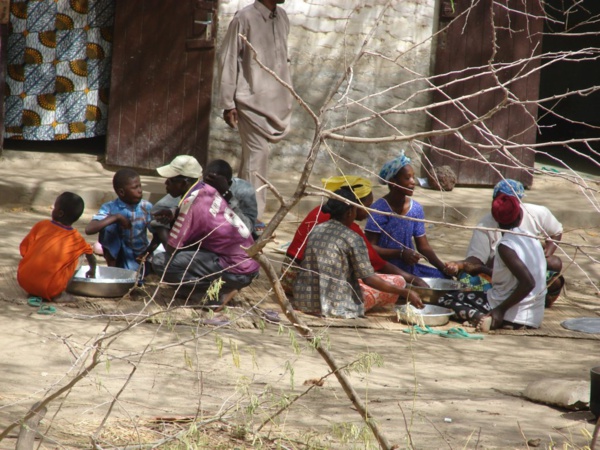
<point>393,236</point>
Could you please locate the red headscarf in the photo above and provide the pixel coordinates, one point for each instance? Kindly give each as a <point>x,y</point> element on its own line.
<point>506,209</point>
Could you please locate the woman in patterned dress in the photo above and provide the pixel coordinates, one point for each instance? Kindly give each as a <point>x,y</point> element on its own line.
<point>336,271</point>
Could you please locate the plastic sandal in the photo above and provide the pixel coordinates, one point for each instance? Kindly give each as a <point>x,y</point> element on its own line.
<point>34,301</point>
<point>46,310</point>
<point>460,333</point>
<point>270,315</point>
<point>43,308</point>
<point>217,321</point>
<point>422,330</point>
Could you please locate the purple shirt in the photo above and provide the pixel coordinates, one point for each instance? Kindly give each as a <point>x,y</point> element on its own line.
<point>206,219</point>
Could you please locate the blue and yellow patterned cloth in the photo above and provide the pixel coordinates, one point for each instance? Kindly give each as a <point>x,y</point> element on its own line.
<point>58,69</point>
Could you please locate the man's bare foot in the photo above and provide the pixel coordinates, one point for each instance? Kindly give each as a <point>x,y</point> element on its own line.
<point>65,297</point>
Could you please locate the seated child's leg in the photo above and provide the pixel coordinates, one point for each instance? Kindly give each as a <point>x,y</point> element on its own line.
<point>110,261</point>
<point>110,239</point>
<point>115,252</point>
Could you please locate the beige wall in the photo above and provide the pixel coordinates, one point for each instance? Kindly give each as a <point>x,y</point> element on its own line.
<point>325,34</point>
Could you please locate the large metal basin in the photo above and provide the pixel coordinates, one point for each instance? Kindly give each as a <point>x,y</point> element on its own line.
<point>437,288</point>
<point>431,315</point>
<point>109,282</point>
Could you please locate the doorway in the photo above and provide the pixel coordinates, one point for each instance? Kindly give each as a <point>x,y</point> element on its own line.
<point>571,28</point>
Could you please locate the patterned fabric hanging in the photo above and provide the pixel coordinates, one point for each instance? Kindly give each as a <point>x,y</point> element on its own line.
<point>58,75</point>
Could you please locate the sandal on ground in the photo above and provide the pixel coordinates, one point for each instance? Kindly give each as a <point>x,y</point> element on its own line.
<point>46,310</point>
<point>43,308</point>
<point>217,321</point>
<point>460,333</point>
<point>34,301</point>
<point>270,315</point>
<point>417,329</point>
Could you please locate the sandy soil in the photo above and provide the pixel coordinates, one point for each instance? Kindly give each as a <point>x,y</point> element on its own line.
<point>432,392</point>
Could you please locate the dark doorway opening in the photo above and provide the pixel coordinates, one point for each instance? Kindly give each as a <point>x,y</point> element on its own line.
<point>92,146</point>
<point>571,28</point>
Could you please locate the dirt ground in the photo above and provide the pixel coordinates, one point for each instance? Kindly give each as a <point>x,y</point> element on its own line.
<point>426,392</point>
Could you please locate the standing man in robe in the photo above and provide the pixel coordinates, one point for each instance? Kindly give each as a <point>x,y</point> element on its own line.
<point>253,101</point>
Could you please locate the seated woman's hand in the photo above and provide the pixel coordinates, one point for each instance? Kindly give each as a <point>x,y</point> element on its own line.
<point>414,299</point>
<point>91,273</point>
<point>452,268</point>
<point>410,256</point>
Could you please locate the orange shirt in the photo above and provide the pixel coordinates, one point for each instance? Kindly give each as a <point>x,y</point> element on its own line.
<point>50,254</point>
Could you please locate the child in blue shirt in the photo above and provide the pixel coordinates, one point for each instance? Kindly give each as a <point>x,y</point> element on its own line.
<point>123,222</point>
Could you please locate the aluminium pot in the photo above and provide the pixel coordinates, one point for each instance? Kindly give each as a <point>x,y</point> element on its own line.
<point>109,282</point>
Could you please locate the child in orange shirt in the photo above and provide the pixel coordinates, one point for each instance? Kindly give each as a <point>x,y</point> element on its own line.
<point>51,252</point>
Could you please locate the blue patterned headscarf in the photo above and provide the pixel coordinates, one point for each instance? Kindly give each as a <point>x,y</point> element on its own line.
<point>391,168</point>
<point>509,187</point>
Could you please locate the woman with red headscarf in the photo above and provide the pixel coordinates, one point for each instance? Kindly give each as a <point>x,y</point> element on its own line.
<point>516,299</point>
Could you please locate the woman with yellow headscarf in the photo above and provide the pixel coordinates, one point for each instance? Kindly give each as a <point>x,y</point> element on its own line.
<point>362,188</point>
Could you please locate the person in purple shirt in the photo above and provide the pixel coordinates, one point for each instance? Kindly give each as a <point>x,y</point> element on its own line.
<point>205,244</point>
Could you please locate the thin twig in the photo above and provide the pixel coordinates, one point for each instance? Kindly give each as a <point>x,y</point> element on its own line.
<point>308,334</point>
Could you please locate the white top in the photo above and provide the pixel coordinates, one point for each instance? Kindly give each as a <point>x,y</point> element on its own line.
<point>530,310</point>
<point>537,220</point>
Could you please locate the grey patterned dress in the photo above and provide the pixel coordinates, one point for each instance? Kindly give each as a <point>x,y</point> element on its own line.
<point>335,259</point>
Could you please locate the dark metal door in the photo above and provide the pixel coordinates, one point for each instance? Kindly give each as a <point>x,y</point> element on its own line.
<point>161,85</point>
<point>487,60</point>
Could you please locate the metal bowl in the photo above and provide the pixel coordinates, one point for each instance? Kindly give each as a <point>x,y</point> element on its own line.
<point>437,288</point>
<point>109,282</point>
<point>431,315</point>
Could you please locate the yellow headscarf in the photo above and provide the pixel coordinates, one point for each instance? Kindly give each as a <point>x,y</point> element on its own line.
<point>360,186</point>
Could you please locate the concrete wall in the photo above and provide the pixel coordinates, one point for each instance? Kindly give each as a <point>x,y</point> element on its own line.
<point>325,36</point>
